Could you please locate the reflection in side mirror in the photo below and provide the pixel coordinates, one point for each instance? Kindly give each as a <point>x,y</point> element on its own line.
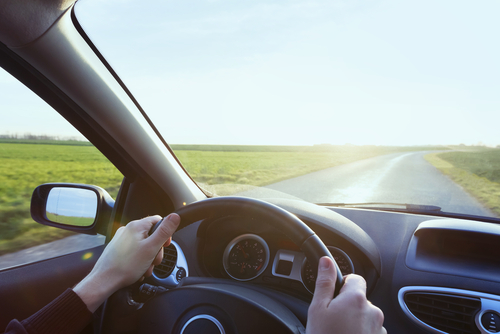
<point>71,206</point>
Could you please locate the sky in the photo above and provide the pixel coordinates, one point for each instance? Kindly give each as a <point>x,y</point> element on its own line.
<point>72,202</point>
<point>299,72</point>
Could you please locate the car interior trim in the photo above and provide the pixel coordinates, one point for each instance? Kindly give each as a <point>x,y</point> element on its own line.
<point>205,317</point>
<point>489,303</point>
<point>297,259</point>
<point>23,21</point>
<point>181,264</point>
<point>436,246</point>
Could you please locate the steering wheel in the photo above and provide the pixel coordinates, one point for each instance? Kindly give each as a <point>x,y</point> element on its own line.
<point>214,307</point>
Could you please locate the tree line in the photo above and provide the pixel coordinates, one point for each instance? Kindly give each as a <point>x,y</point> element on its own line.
<point>30,136</point>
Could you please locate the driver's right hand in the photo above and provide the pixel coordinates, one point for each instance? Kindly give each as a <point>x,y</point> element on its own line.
<point>350,312</point>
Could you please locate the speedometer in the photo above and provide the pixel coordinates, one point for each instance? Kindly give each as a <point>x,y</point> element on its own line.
<point>246,257</point>
<point>343,261</point>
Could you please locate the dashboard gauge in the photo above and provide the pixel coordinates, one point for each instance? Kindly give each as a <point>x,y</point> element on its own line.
<point>343,261</point>
<point>246,257</point>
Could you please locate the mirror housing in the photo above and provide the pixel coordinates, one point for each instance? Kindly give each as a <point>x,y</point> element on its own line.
<point>75,207</point>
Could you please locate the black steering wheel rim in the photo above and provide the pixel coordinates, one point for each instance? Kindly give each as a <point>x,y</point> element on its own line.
<point>290,225</point>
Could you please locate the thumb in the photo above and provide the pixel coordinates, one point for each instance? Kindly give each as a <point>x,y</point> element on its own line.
<point>166,229</point>
<point>325,282</point>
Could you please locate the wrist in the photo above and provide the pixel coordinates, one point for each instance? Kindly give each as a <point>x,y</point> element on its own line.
<point>93,290</point>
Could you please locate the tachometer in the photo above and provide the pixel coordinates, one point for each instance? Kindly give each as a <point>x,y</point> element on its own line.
<point>342,259</point>
<point>246,257</point>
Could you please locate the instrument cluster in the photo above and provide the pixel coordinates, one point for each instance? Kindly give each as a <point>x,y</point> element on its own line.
<point>248,256</point>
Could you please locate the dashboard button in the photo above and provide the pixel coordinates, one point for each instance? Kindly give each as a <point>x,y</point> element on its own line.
<point>491,322</point>
<point>181,273</point>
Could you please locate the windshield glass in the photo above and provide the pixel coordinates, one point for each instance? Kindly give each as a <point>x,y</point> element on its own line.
<point>324,101</point>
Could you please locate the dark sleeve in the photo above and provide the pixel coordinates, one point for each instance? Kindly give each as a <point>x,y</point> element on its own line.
<point>15,327</point>
<point>64,315</point>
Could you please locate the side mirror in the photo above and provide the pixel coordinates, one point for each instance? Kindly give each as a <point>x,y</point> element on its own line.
<point>76,207</point>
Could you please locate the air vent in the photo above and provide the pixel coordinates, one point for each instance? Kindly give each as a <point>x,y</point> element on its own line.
<point>452,314</point>
<point>168,264</point>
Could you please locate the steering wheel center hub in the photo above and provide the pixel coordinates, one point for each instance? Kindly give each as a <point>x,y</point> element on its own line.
<point>203,323</point>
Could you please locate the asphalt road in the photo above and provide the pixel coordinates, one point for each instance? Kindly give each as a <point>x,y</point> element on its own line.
<point>52,249</point>
<point>395,178</point>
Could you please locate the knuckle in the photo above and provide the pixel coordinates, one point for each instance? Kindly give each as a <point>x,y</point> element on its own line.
<point>133,225</point>
<point>358,298</point>
<point>356,279</point>
<point>119,231</point>
<point>379,315</point>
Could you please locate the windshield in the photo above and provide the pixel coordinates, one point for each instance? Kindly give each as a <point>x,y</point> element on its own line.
<point>323,101</point>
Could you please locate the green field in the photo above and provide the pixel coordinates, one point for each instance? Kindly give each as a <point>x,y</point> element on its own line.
<point>70,220</point>
<point>483,163</point>
<point>26,164</point>
<point>476,170</point>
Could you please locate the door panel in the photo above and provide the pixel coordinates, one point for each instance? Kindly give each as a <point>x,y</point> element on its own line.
<point>26,289</point>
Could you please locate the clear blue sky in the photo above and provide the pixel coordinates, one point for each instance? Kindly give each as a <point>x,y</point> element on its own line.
<point>305,72</point>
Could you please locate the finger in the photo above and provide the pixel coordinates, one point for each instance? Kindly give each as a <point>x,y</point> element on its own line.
<point>149,272</point>
<point>119,232</point>
<point>140,228</point>
<point>325,282</point>
<point>166,229</point>
<point>354,283</point>
<point>167,243</point>
<point>158,258</point>
<point>145,223</point>
<point>379,316</point>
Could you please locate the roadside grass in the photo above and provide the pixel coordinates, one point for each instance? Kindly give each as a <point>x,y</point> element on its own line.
<point>484,162</point>
<point>477,171</point>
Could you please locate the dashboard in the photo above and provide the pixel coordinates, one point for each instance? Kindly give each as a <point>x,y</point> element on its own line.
<point>419,269</point>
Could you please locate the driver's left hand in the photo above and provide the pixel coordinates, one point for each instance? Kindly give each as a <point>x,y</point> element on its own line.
<point>128,258</point>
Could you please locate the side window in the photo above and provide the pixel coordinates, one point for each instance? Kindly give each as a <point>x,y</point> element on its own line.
<point>38,146</point>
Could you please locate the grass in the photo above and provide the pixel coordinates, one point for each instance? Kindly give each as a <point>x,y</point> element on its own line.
<point>25,164</point>
<point>70,220</point>
<point>45,142</point>
<point>477,171</point>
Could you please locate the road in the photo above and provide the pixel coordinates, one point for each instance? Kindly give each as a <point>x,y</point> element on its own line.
<point>394,178</point>
<point>52,249</point>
